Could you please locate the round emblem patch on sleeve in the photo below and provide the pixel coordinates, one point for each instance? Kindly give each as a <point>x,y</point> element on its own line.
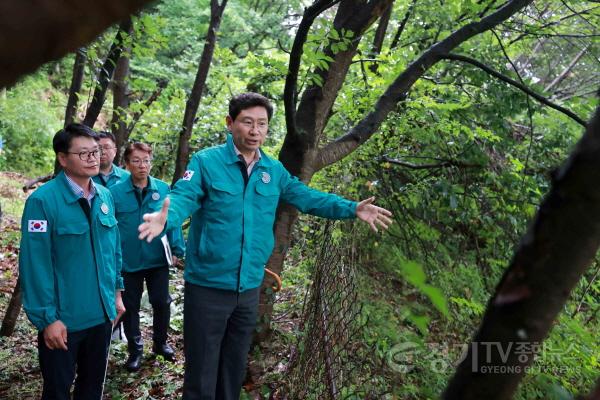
<point>265,177</point>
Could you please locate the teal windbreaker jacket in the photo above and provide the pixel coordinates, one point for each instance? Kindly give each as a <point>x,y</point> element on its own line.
<point>118,175</point>
<point>69,267</point>
<point>139,254</point>
<point>231,233</point>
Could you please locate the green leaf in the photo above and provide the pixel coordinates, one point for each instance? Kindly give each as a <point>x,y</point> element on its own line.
<point>437,299</point>
<point>413,273</point>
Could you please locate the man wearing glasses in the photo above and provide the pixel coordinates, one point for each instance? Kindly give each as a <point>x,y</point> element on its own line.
<point>232,192</point>
<point>110,174</point>
<point>138,194</point>
<point>70,268</point>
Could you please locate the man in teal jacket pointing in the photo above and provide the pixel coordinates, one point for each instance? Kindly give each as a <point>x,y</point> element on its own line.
<point>232,192</point>
<point>70,268</point>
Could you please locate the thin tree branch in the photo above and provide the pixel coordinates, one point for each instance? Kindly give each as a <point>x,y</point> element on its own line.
<point>380,35</point>
<point>568,69</point>
<point>443,164</point>
<point>193,101</point>
<point>402,25</point>
<point>538,97</point>
<point>290,94</point>
<point>586,290</point>
<point>594,27</point>
<point>106,72</point>
<point>40,179</point>
<point>76,81</point>
<point>161,85</point>
<point>529,109</point>
<point>398,90</point>
<point>549,24</point>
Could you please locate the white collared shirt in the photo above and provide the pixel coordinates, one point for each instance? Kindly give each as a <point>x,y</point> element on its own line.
<point>249,167</point>
<point>78,190</point>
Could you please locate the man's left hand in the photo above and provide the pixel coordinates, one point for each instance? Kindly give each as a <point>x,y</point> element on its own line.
<point>373,215</point>
<point>120,307</point>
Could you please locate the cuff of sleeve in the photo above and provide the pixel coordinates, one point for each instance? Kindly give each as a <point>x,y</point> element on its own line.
<point>179,253</point>
<point>353,205</point>
<point>48,318</point>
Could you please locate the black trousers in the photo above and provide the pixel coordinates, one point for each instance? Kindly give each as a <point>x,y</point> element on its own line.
<point>87,354</point>
<point>217,333</point>
<point>157,281</point>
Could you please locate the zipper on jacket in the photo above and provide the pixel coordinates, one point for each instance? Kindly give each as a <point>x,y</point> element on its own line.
<point>244,172</point>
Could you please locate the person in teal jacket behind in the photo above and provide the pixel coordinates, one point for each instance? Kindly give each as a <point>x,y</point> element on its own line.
<point>109,174</point>
<point>137,195</point>
<point>232,192</point>
<point>70,269</point>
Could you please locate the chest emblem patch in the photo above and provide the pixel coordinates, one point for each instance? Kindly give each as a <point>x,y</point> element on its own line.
<point>104,208</point>
<point>265,177</point>
<point>155,196</point>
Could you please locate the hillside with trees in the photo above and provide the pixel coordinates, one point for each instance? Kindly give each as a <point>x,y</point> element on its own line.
<point>476,122</point>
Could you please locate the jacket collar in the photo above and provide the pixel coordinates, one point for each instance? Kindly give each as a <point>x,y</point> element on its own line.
<point>68,194</point>
<point>117,171</point>
<point>231,156</point>
<point>151,184</point>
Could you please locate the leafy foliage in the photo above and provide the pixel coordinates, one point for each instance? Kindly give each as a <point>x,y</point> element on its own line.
<point>30,117</point>
<point>463,163</point>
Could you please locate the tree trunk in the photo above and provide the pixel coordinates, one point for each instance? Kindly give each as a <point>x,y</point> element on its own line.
<point>34,33</point>
<point>301,142</point>
<point>300,153</point>
<point>553,255</point>
<point>106,72</point>
<point>286,217</point>
<point>76,81</point>
<point>12,312</point>
<point>118,123</point>
<point>594,395</point>
<point>193,102</point>
<point>380,35</point>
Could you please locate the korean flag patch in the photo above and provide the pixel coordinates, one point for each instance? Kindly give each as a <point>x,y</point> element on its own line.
<point>37,225</point>
<point>187,176</point>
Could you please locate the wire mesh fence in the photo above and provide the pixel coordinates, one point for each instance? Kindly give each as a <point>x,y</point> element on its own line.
<point>330,361</point>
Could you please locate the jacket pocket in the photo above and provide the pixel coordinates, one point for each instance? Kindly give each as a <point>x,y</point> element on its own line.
<point>107,220</point>
<point>75,228</point>
<point>125,209</point>
<point>226,187</point>
<point>224,203</point>
<point>266,200</point>
<point>107,238</point>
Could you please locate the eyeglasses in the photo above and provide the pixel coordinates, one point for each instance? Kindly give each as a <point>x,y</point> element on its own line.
<point>86,155</point>
<point>137,161</point>
<point>260,126</point>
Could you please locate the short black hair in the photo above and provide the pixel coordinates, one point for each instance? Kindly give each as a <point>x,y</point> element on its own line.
<point>136,146</point>
<point>107,135</point>
<point>62,139</point>
<point>248,100</point>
